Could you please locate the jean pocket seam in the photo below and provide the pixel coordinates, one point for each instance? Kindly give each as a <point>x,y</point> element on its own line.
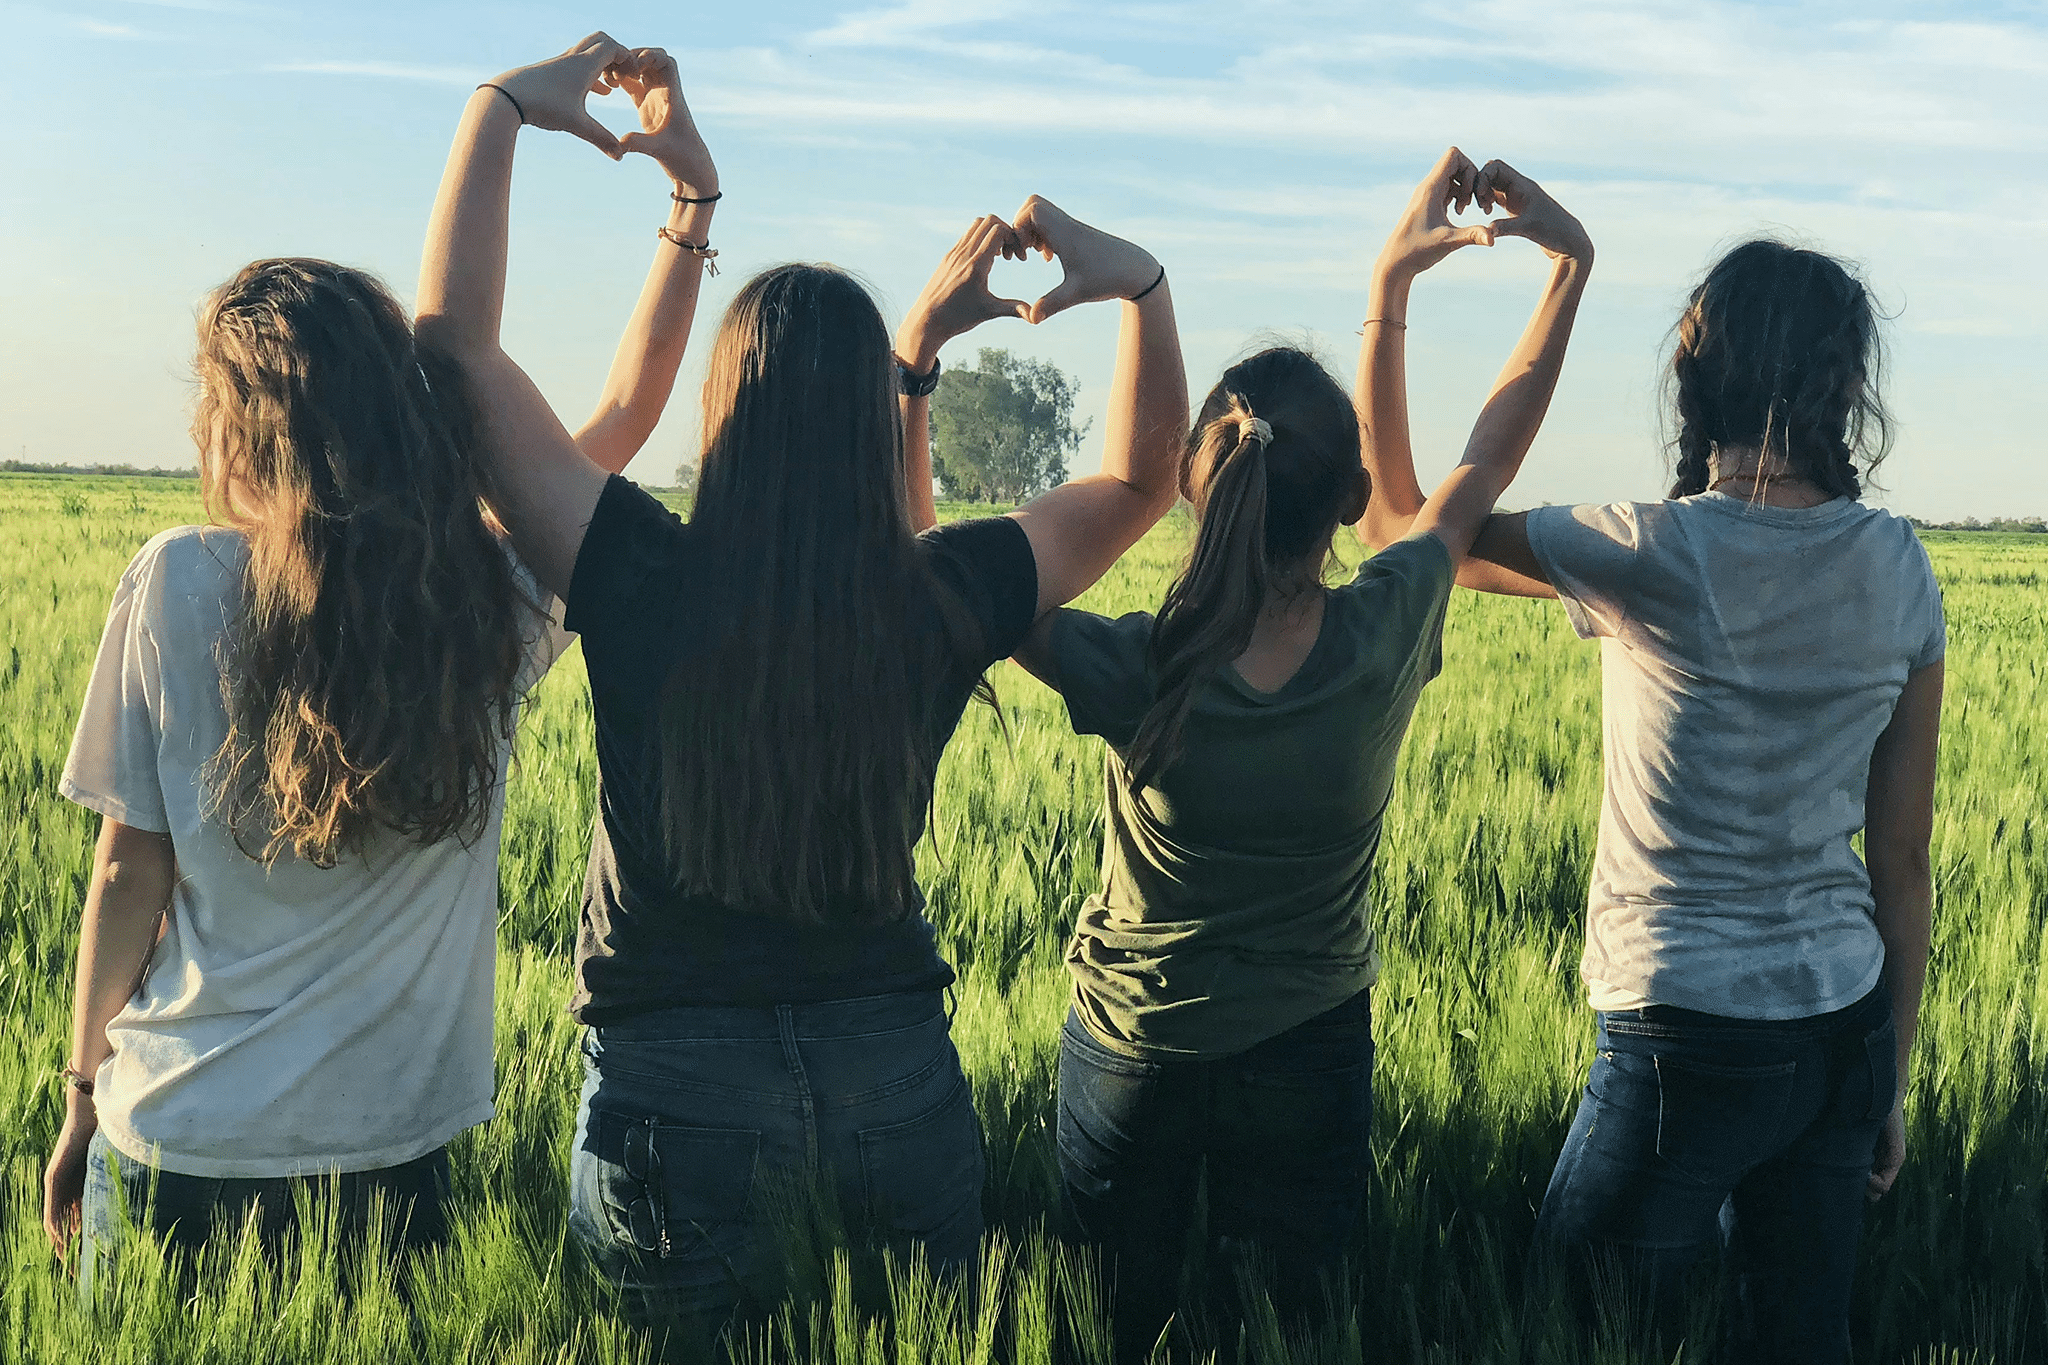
<point>1761,1130</point>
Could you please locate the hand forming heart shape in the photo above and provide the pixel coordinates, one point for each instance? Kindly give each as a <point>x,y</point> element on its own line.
<point>1425,234</point>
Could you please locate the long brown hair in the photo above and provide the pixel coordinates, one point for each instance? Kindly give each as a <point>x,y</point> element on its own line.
<point>369,671</point>
<point>1779,348</point>
<point>1264,507</point>
<point>797,751</point>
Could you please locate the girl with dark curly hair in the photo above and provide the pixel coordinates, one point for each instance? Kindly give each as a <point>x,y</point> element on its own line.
<point>1772,651</point>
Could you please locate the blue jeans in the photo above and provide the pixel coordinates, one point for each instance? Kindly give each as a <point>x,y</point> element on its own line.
<point>184,1209</point>
<point>1284,1130</point>
<point>1756,1135</point>
<point>694,1120</point>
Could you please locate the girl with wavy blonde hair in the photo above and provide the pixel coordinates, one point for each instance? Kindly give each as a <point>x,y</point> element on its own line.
<point>297,733</point>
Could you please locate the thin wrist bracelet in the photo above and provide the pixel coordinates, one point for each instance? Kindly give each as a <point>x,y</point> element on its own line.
<point>910,383</point>
<point>1390,322</point>
<point>1150,287</point>
<point>508,95</point>
<point>682,198</point>
<point>78,1081</point>
<point>701,250</point>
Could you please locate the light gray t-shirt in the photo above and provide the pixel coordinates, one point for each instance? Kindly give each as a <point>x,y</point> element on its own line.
<point>1750,658</point>
<point>292,1019</point>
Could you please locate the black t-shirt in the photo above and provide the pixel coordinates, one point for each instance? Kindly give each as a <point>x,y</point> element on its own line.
<point>643,944</point>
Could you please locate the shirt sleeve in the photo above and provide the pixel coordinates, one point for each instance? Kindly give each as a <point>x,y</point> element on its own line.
<point>1589,553</point>
<point>1935,647</point>
<point>112,768</point>
<point>631,538</point>
<point>1102,670</point>
<point>546,638</point>
<point>1415,576</point>
<point>988,563</point>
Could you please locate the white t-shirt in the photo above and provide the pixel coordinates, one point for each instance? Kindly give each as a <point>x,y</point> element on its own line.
<point>291,1019</point>
<point>1750,657</point>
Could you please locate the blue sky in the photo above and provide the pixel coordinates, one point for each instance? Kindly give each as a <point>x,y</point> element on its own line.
<point>147,149</point>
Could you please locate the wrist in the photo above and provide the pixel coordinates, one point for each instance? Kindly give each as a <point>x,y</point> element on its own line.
<point>700,182</point>
<point>80,1111</point>
<point>917,345</point>
<point>1387,296</point>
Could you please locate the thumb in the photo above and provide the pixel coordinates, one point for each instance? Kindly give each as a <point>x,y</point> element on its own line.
<point>596,134</point>
<point>1507,227</point>
<point>1479,234</point>
<point>1004,308</point>
<point>1063,296</point>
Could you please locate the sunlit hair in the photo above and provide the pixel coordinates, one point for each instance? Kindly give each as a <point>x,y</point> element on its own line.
<point>369,671</point>
<point>1264,511</point>
<point>1779,350</point>
<point>797,750</point>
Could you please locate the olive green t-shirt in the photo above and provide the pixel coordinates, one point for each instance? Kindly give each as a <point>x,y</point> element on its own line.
<point>1233,903</point>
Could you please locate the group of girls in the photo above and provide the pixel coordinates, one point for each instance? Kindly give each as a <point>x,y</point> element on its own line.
<point>298,727</point>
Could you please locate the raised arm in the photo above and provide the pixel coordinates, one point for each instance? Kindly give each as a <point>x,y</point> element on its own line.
<point>548,488</point>
<point>1422,237</point>
<point>133,872</point>
<point>1521,394</point>
<point>1081,528</point>
<point>643,372</point>
<point>955,301</point>
<point>1898,817</point>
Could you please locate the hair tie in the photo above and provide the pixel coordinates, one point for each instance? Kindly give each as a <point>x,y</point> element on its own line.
<point>1255,429</point>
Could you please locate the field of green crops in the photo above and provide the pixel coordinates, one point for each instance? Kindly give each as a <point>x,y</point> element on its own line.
<point>1483,1036</point>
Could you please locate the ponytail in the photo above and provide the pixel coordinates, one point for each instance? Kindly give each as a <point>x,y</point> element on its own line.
<point>1212,609</point>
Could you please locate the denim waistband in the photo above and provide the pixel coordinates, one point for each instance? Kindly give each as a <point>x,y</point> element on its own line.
<point>1866,1013</point>
<point>852,1018</point>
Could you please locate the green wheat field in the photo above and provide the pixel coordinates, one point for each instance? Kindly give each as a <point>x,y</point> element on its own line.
<point>1483,1035</point>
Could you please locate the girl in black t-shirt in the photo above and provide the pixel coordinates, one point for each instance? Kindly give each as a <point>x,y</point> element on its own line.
<point>772,682</point>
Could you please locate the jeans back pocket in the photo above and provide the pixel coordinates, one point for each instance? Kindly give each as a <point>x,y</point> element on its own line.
<point>922,1179</point>
<point>680,1196</point>
<point>1715,1123</point>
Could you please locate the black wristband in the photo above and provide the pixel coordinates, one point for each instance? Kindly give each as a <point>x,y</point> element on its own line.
<point>508,95</point>
<point>682,198</point>
<point>911,384</point>
<point>1150,287</point>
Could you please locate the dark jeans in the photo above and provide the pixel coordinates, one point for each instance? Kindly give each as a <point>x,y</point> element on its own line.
<point>184,1210</point>
<point>1284,1132</point>
<point>694,1120</point>
<point>1754,1134</point>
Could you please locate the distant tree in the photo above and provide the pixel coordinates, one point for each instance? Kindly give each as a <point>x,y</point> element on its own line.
<point>686,478</point>
<point>1002,431</point>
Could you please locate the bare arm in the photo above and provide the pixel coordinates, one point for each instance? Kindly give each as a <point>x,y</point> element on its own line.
<point>1422,238</point>
<point>1898,827</point>
<point>549,488</point>
<point>1514,411</point>
<point>133,873</point>
<point>955,301</point>
<point>643,372</point>
<point>1082,527</point>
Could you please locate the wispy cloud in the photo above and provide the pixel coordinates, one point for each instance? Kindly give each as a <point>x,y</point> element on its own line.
<point>385,71</point>
<point>99,28</point>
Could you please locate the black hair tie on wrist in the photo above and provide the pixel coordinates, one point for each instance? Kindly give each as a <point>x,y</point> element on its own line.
<point>682,198</point>
<point>1150,287</point>
<point>508,95</point>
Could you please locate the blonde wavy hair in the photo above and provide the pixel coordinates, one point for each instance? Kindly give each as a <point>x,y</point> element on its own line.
<point>370,671</point>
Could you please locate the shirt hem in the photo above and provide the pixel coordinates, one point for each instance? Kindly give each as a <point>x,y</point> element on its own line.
<point>1705,1004</point>
<point>131,1145</point>
<point>113,808</point>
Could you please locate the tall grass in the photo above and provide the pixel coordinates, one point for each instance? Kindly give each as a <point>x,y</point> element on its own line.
<point>1483,1037</point>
